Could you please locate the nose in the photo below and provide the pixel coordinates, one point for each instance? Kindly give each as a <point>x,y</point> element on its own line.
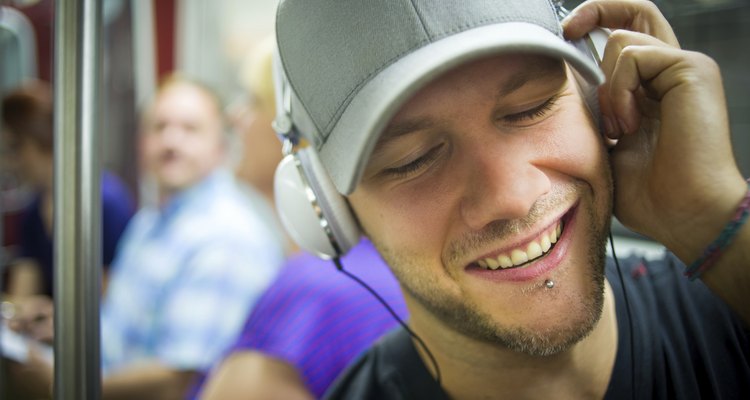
<point>502,183</point>
<point>171,135</point>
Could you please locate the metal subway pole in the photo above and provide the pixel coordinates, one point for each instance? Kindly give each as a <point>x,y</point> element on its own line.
<point>77,218</point>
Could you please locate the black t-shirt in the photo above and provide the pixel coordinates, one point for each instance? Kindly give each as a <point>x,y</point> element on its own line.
<point>688,345</point>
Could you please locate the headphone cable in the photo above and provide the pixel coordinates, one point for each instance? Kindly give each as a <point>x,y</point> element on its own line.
<point>382,301</point>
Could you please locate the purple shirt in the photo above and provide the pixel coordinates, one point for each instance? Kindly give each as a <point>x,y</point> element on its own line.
<point>318,319</point>
<point>36,244</point>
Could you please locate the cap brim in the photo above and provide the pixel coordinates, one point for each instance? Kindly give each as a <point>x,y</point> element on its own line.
<point>351,141</point>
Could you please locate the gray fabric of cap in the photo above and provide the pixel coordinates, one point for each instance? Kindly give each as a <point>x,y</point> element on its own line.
<point>352,63</point>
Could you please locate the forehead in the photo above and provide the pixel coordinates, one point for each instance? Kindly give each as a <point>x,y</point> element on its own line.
<point>184,101</point>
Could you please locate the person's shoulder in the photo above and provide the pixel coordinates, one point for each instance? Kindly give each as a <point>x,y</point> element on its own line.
<point>365,378</point>
<point>675,326</point>
<point>648,277</point>
<point>662,275</point>
<point>661,296</point>
<point>358,381</point>
<point>391,369</point>
<point>307,282</point>
<point>318,280</point>
<point>215,213</point>
<point>228,203</point>
<point>114,190</point>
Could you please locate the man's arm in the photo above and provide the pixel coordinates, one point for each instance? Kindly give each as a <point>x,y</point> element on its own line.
<point>140,381</point>
<point>147,382</point>
<point>730,276</point>
<point>675,176</point>
<point>252,375</point>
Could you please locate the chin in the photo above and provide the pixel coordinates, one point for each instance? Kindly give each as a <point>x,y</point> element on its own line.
<point>555,334</point>
<point>172,185</point>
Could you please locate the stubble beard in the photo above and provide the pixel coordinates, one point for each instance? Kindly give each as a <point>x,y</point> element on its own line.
<point>467,319</point>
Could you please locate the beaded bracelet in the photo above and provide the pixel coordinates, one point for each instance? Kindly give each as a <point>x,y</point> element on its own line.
<point>715,249</point>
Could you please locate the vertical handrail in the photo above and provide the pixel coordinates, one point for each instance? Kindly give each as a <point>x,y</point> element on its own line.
<point>77,220</point>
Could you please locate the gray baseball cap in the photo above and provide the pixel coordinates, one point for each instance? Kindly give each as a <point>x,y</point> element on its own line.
<point>351,64</point>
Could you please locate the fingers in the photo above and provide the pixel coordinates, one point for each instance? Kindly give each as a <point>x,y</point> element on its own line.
<point>33,317</point>
<point>633,15</point>
<point>684,77</point>
<point>43,331</point>
<point>635,65</point>
<point>621,97</point>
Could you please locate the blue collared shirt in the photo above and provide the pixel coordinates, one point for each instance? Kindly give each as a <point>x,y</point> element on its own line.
<point>185,278</point>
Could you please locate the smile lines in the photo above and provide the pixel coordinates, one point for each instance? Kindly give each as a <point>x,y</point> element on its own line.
<point>534,249</point>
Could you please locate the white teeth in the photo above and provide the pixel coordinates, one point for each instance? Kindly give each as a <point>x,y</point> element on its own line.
<point>505,261</point>
<point>545,243</point>
<point>519,257</point>
<point>534,250</point>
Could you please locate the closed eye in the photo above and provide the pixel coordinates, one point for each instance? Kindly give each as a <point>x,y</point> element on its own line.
<point>532,113</point>
<point>412,167</point>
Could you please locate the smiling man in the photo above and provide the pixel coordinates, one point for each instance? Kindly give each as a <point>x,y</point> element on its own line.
<point>495,211</point>
<point>464,137</point>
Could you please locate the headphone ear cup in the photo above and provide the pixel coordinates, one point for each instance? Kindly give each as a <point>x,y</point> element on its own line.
<point>590,96</point>
<point>316,216</point>
<point>592,45</point>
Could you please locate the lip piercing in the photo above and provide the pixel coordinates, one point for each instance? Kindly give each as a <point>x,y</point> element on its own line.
<point>549,283</point>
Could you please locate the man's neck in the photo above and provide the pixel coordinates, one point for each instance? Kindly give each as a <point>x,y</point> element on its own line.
<point>165,196</point>
<point>471,369</point>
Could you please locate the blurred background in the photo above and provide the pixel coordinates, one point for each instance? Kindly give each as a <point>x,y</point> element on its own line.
<point>145,40</point>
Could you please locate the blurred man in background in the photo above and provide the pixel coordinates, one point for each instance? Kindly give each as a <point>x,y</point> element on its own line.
<point>191,266</point>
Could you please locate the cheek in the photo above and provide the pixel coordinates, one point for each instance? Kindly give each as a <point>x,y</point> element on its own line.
<point>203,148</point>
<point>410,221</point>
<point>578,151</point>
<point>576,148</point>
<point>579,154</point>
<point>149,148</point>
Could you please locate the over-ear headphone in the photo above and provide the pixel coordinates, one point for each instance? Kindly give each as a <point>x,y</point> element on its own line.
<point>316,216</point>
<point>314,213</point>
<point>591,45</point>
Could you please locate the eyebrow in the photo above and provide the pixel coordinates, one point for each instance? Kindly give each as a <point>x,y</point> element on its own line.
<point>408,126</point>
<point>543,70</point>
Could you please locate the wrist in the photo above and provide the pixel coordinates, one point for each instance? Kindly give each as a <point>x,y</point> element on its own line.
<point>709,232</point>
